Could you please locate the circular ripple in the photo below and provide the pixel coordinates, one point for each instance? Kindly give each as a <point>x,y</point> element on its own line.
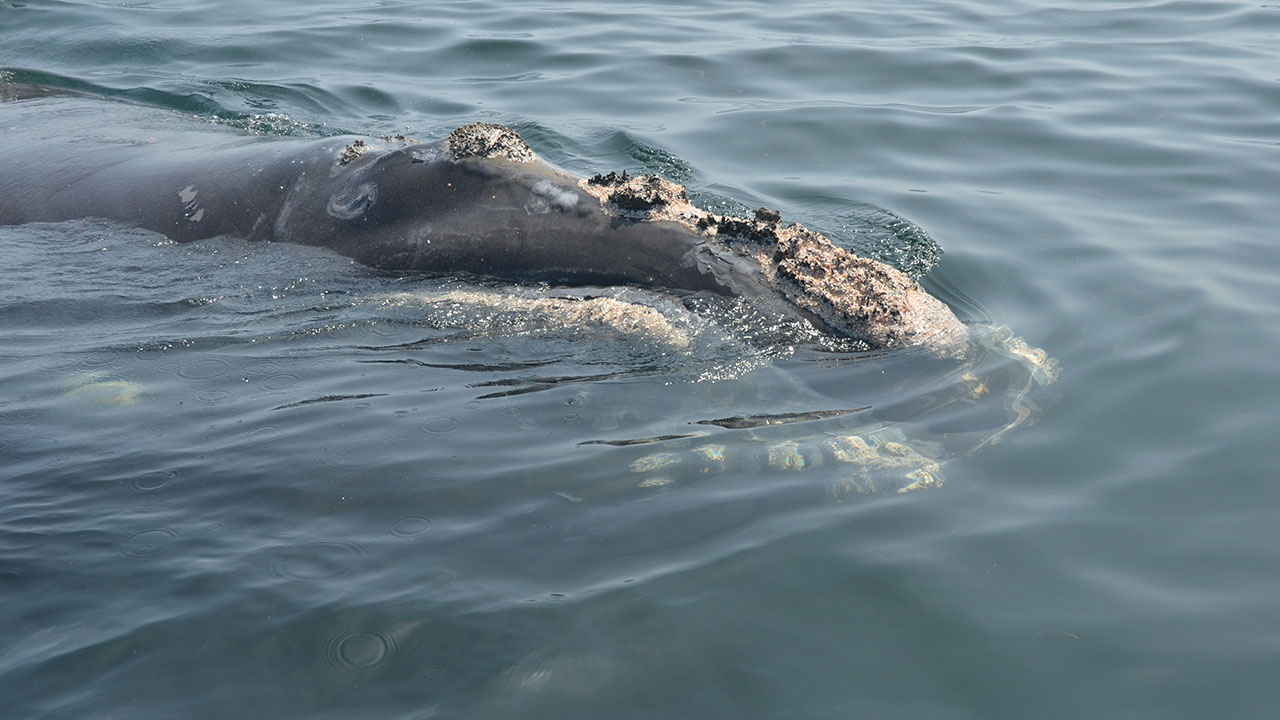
<point>214,396</point>
<point>384,328</point>
<point>358,649</point>
<point>266,432</point>
<point>356,453</point>
<point>148,543</point>
<point>441,425</point>
<point>59,363</point>
<point>204,369</point>
<point>279,382</point>
<point>323,560</point>
<point>37,447</point>
<point>101,358</point>
<point>264,367</point>
<point>152,481</point>
<point>411,526</point>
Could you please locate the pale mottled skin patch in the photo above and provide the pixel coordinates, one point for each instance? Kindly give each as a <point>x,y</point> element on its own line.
<point>99,388</point>
<point>620,316</point>
<point>856,295</point>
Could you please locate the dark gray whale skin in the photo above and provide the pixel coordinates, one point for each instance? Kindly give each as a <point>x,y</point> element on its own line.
<point>397,207</point>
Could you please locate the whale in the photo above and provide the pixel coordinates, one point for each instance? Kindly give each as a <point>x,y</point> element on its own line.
<point>478,202</point>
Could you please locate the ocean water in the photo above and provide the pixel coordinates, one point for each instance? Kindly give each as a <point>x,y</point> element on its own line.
<point>243,480</point>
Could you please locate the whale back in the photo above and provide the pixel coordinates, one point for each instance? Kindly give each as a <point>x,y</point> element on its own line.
<point>67,157</point>
<point>418,208</point>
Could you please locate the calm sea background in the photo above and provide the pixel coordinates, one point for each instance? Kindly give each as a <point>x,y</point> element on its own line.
<point>261,481</point>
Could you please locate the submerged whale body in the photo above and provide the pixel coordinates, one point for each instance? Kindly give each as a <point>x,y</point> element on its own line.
<point>479,202</point>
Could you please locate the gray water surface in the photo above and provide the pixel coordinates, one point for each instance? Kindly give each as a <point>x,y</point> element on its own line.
<point>261,481</point>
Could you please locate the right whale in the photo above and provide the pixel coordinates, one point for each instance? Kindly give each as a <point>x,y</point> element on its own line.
<point>478,202</point>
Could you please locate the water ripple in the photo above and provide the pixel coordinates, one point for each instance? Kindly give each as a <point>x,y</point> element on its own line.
<point>149,543</point>
<point>356,650</point>
<point>356,453</point>
<point>153,481</point>
<point>319,560</point>
<point>204,369</point>
<point>411,526</point>
<point>441,425</point>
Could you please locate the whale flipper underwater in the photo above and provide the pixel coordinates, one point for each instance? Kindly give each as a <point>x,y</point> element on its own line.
<point>478,202</point>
